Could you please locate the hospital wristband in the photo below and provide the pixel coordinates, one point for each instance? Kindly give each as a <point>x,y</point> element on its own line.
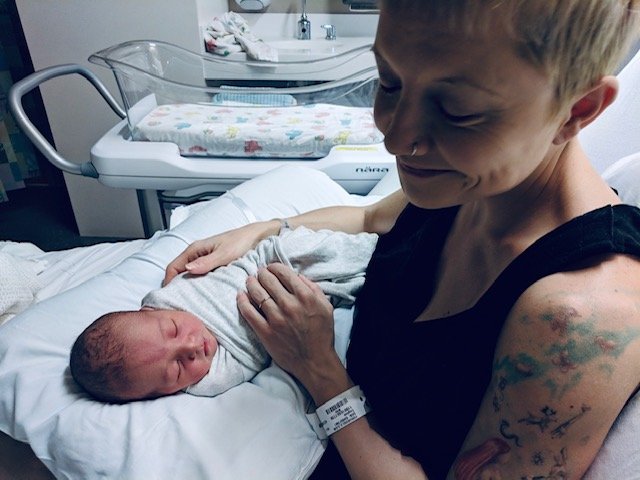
<point>342,410</point>
<point>284,224</point>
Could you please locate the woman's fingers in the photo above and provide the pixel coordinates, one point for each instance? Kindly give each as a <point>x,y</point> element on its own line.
<point>296,330</point>
<point>196,258</point>
<point>253,317</point>
<point>176,267</point>
<point>279,274</point>
<point>314,287</point>
<point>258,294</point>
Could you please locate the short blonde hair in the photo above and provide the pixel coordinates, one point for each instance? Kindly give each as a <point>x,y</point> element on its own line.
<point>575,42</point>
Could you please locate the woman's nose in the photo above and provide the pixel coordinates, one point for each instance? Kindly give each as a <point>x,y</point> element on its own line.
<point>406,126</point>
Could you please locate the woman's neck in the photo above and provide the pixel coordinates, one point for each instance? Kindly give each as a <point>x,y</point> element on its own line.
<point>564,186</point>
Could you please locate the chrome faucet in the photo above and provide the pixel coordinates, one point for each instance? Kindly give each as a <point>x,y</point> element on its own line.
<point>331,31</point>
<point>304,25</point>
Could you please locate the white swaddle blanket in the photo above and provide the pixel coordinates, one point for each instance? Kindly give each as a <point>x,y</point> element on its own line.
<point>336,261</point>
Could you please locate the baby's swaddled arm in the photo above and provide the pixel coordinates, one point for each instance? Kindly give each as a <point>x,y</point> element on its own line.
<point>336,261</point>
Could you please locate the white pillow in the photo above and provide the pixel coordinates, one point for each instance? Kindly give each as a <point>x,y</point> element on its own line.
<point>624,176</point>
<point>619,457</point>
<point>616,132</point>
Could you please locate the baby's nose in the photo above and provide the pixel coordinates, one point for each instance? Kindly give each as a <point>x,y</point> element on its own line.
<point>190,348</point>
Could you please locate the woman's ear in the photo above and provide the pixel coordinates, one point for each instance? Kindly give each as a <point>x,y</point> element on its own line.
<point>587,108</point>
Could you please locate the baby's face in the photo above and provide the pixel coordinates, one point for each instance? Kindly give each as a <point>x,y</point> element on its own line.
<point>167,351</point>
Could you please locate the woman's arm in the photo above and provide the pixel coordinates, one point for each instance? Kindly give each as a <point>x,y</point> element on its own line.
<point>376,218</point>
<point>205,255</point>
<point>299,336</point>
<point>566,363</point>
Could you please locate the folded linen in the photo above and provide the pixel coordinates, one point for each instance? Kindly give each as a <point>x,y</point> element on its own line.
<point>234,96</point>
<point>19,284</point>
<point>230,33</point>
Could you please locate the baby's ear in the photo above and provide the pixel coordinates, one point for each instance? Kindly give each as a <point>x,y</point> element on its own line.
<point>587,108</point>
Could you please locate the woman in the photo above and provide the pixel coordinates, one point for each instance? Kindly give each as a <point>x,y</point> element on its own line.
<point>498,331</point>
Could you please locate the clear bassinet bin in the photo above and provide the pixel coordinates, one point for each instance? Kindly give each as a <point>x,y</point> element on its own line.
<point>168,98</point>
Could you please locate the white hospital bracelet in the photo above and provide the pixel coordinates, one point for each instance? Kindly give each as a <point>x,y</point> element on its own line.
<point>284,224</point>
<point>342,410</point>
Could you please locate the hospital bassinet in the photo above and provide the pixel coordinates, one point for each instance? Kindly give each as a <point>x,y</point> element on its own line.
<point>168,97</point>
<point>187,122</point>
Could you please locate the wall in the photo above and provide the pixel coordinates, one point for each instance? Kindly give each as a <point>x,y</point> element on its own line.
<point>312,6</point>
<point>68,31</point>
<point>18,160</point>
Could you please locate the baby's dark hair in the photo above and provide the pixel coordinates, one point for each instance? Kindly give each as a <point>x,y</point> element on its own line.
<point>98,357</point>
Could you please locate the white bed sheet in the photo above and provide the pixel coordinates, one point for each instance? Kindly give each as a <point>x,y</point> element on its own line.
<point>65,269</point>
<point>258,430</point>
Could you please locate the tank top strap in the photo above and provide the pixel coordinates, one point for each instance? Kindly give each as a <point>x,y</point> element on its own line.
<point>610,229</point>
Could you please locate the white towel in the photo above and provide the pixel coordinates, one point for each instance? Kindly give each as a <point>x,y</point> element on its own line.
<point>19,284</point>
<point>230,33</point>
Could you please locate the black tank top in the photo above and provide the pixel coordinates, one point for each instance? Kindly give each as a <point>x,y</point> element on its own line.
<point>425,380</point>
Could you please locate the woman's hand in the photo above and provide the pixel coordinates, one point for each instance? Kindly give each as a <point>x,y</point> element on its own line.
<point>207,254</point>
<point>294,320</point>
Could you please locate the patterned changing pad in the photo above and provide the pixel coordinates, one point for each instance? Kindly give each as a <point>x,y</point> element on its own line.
<point>308,131</point>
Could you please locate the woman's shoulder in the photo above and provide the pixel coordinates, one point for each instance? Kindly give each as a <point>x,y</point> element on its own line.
<point>585,321</point>
<point>569,356</point>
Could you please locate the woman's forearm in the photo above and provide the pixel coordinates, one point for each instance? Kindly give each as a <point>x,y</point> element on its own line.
<point>376,218</point>
<point>365,453</point>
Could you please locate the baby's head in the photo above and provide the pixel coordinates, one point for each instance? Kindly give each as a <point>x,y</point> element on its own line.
<point>148,353</point>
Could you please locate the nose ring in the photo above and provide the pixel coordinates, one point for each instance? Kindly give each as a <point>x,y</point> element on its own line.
<point>414,149</point>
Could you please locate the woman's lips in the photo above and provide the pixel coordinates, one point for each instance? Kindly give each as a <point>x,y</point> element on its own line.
<point>421,172</point>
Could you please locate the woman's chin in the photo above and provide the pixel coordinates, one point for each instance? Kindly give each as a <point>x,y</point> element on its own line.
<point>431,194</point>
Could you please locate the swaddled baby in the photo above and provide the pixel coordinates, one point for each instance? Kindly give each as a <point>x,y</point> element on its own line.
<point>189,335</point>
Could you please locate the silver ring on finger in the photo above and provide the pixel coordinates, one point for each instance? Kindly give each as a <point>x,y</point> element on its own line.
<point>262,302</point>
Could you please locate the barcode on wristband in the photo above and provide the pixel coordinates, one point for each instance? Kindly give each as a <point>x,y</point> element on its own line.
<point>342,410</point>
<point>336,406</point>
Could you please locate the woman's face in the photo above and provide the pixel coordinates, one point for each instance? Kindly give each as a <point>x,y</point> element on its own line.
<point>480,114</point>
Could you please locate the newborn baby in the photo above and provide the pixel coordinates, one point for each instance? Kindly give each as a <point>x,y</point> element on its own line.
<point>189,335</point>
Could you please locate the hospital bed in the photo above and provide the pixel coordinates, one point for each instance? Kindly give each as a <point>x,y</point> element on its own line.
<point>258,430</point>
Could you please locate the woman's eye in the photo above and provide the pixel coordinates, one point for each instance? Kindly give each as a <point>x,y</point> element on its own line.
<point>388,90</point>
<point>463,120</point>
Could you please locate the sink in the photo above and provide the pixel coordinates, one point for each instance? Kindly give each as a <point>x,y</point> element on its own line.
<point>318,46</point>
<point>292,50</point>
<point>299,60</point>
